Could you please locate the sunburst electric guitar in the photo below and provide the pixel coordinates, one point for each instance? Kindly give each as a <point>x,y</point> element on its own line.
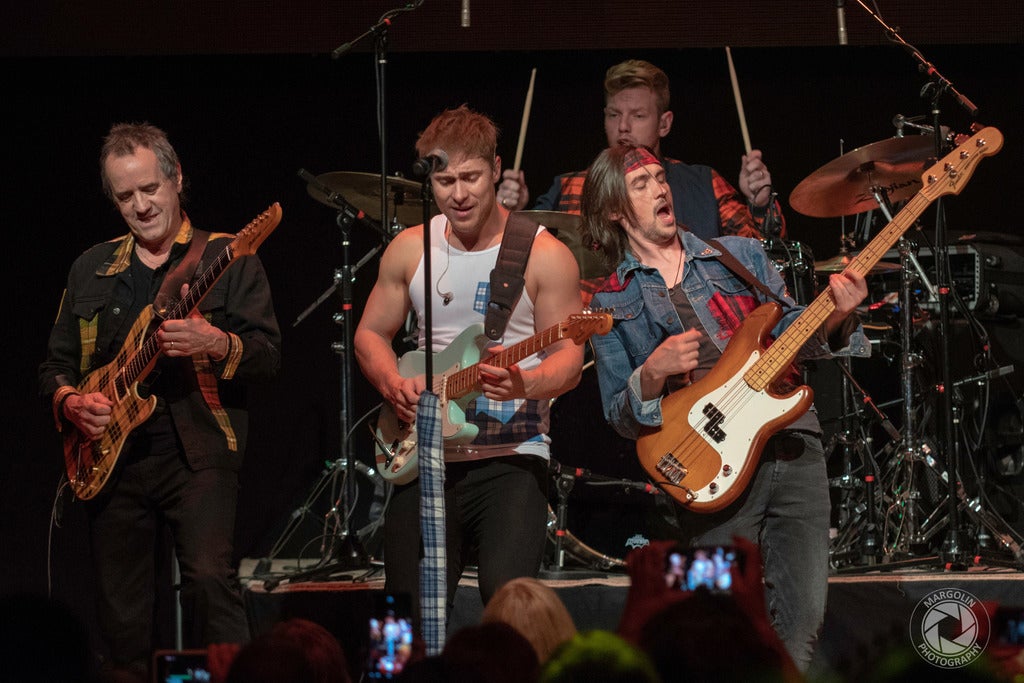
<point>90,463</point>
<point>708,446</point>
<point>458,383</point>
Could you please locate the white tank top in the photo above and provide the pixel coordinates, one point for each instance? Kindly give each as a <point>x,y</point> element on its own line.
<point>518,426</point>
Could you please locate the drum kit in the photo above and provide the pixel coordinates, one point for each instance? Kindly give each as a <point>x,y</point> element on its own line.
<point>894,503</point>
<point>883,515</point>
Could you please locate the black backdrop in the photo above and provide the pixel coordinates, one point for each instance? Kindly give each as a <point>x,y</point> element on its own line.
<point>244,126</point>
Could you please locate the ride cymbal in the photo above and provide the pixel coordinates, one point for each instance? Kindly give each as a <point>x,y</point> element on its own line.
<point>362,190</point>
<point>843,186</point>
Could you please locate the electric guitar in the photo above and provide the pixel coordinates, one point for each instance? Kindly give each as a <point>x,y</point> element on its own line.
<point>458,383</point>
<point>89,463</point>
<point>708,446</point>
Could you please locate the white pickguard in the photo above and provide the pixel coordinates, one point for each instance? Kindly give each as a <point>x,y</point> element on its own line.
<point>745,412</point>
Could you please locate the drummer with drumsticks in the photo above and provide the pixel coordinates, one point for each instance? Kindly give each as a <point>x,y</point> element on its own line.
<point>637,113</point>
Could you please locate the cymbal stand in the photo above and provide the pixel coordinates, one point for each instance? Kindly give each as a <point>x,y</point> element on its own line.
<point>904,478</point>
<point>856,538</point>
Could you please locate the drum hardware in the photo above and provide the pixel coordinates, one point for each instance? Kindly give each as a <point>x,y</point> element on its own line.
<point>401,197</point>
<point>795,262</point>
<point>564,541</point>
<point>857,536</point>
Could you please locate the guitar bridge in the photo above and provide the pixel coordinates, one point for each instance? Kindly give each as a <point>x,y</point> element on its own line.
<point>670,468</point>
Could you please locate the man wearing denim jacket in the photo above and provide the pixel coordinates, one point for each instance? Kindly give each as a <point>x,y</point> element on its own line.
<point>676,306</point>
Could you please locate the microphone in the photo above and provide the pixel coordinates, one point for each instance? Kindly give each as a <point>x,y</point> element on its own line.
<point>465,13</point>
<point>840,18</point>
<point>437,160</point>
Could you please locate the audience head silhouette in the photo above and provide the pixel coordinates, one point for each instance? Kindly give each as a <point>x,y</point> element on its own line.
<point>598,657</point>
<point>294,650</point>
<point>495,651</point>
<point>535,610</point>
<point>688,639</point>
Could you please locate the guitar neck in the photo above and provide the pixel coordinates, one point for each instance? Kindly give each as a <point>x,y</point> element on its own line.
<point>466,380</point>
<point>783,351</point>
<point>143,361</point>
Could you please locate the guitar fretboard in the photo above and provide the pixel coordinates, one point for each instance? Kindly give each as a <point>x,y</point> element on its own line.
<point>464,381</point>
<point>143,360</point>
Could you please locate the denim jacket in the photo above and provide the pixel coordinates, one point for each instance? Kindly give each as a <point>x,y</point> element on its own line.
<point>644,316</point>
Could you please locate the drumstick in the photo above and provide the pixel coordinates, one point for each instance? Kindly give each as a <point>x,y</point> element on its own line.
<point>526,118</point>
<point>739,100</point>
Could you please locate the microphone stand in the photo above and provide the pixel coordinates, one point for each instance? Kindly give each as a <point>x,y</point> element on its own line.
<point>351,554</point>
<point>379,31</point>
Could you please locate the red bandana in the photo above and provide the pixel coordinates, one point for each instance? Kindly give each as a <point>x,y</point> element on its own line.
<point>638,157</point>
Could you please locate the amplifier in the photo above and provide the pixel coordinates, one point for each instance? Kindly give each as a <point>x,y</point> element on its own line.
<point>988,276</point>
<point>965,271</point>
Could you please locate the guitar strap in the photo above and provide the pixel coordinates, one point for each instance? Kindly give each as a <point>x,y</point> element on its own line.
<point>507,277</point>
<point>727,259</point>
<point>170,290</point>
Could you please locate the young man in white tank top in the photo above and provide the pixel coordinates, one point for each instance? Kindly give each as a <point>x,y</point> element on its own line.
<point>496,486</point>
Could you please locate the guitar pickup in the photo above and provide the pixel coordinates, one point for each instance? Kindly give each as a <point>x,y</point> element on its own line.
<point>670,468</point>
<point>713,427</point>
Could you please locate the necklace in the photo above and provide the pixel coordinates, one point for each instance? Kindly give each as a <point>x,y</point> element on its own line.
<point>677,276</point>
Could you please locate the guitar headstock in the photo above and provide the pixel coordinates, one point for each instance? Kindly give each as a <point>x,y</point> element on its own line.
<point>952,172</point>
<point>249,238</point>
<point>580,326</point>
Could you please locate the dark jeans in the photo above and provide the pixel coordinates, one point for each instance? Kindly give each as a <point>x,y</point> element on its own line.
<point>785,510</point>
<point>496,512</point>
<point>125,526</point>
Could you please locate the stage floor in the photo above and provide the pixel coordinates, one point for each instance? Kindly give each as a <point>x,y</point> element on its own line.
<point>867,614</point>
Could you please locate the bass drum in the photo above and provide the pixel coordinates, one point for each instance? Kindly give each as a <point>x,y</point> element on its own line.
<point>605,518</point>
<point>795,262</point>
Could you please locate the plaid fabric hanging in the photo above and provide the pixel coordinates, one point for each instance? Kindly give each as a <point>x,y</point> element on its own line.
<point>433,586</point>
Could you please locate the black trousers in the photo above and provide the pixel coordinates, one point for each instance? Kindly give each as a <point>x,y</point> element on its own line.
<point>496,512</point>
<point>126,524</point>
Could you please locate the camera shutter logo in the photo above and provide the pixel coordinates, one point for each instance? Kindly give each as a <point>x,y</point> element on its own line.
<point>947,628</point>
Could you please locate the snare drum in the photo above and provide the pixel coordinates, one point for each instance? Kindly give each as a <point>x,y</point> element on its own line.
<point>795,262</point>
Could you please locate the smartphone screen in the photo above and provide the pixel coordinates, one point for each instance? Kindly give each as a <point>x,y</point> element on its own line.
<point>707,567</point>
<point>1009,625</point>
<point>179,666</point>
<point>390,641</point>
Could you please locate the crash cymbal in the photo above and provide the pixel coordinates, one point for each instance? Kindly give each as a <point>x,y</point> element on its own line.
<point>842,187</point>
<point>362,190</point>
<point>838,264</point>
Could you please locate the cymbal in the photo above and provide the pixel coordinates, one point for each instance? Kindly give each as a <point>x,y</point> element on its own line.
<point>842,187</point>
<point>838,264</point>
<point>556,221</point>
<point>362,190</point>
<point>566,227</point>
